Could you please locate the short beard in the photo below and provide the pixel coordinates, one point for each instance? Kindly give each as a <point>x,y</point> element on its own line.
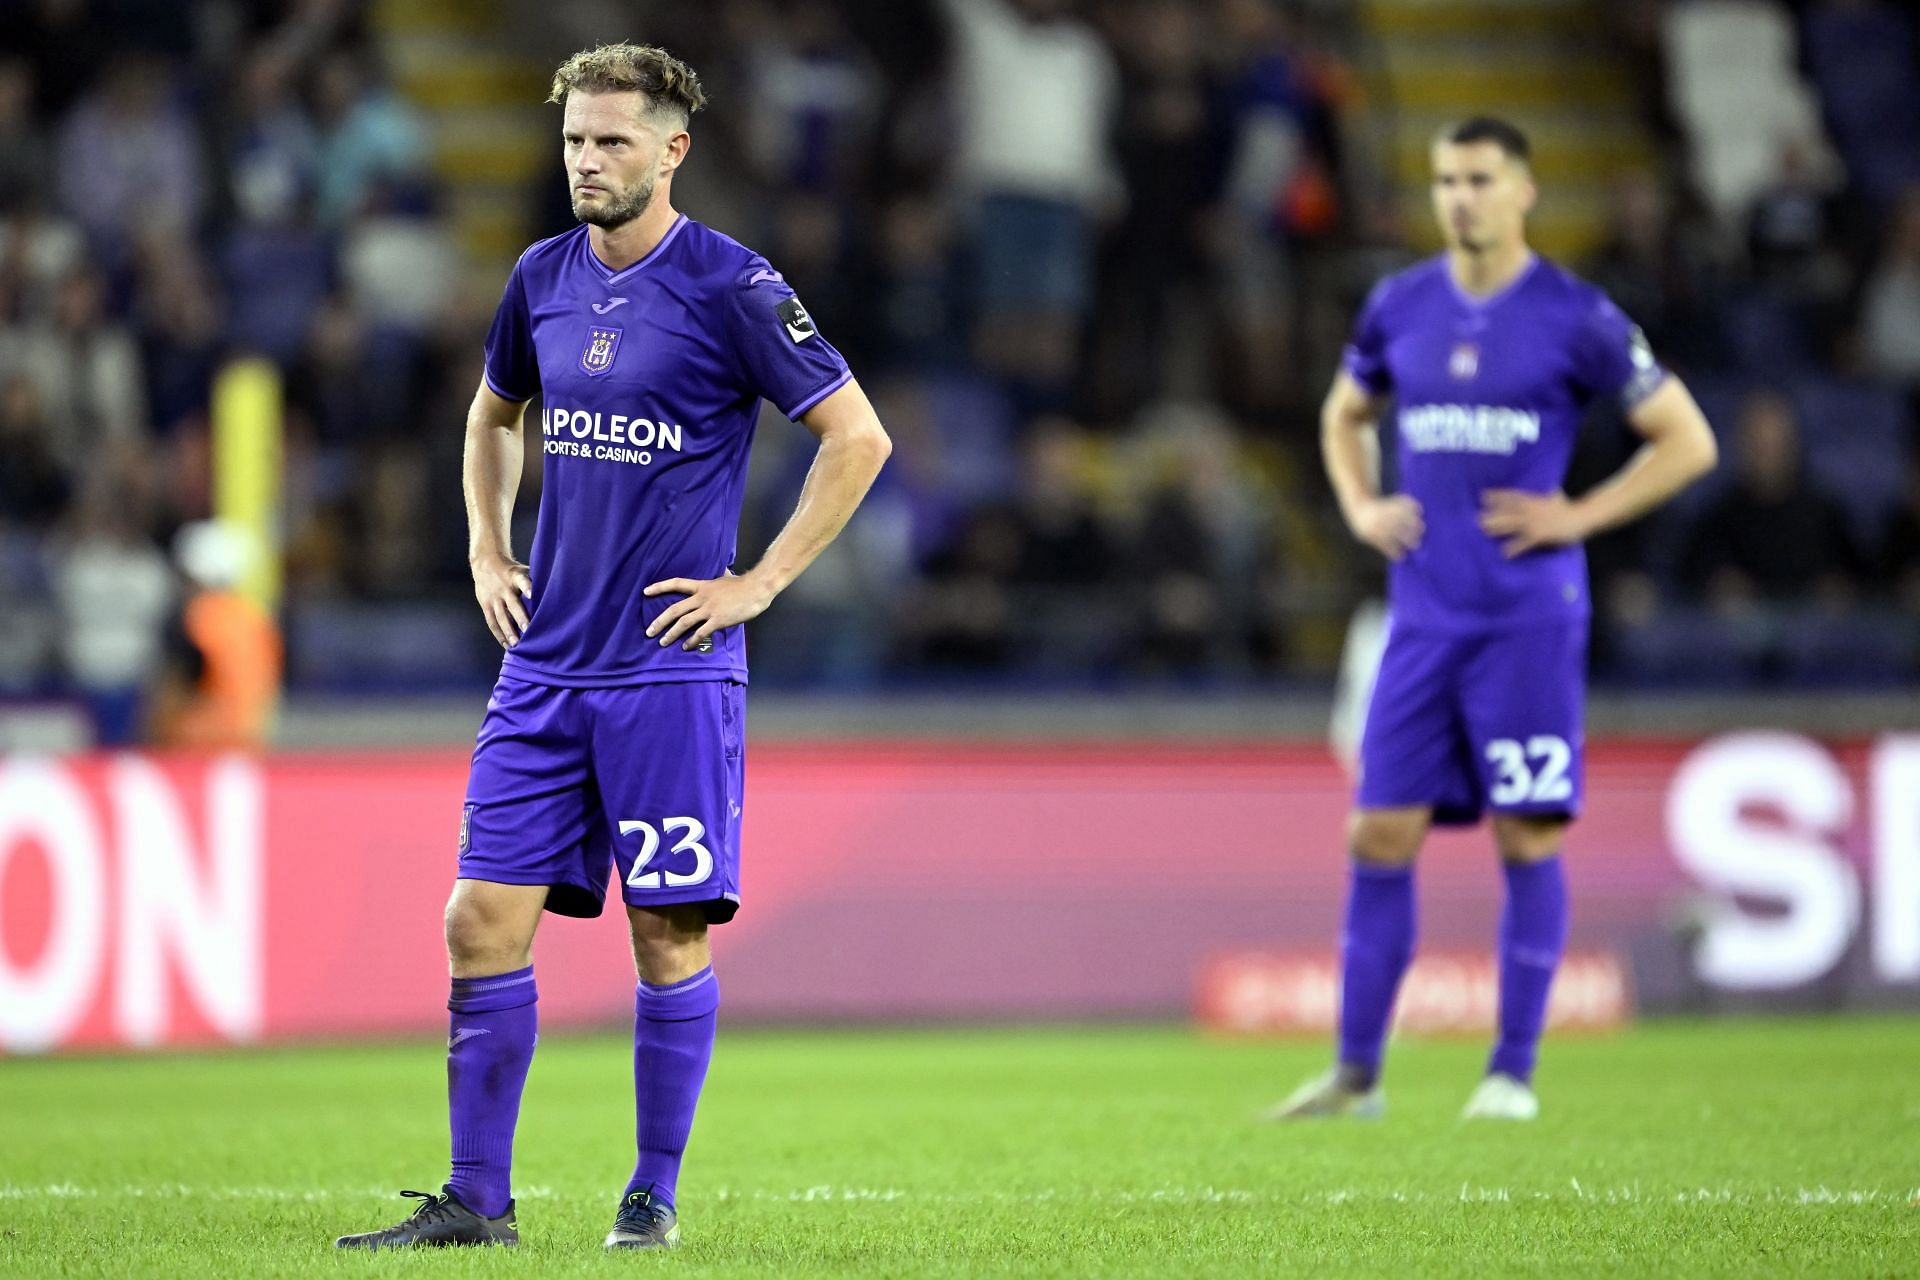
<point>617,213</point>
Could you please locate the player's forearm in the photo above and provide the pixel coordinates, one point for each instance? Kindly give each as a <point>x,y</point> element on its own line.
<point>842,472</point>
<point>490,477</point>
<point>1350,449</point>
<point>1657,471</point>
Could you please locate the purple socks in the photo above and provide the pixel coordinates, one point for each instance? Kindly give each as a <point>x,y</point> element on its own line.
<point>1533,932</point>
<point>489,1048</point>
<point>672,1044</point>
<point>1375,950</point>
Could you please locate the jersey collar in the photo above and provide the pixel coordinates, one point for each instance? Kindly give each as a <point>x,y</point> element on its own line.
<point>1470,301</point>
<point>611,276</point>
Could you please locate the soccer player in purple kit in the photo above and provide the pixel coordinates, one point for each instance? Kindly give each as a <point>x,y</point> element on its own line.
<point>613,738</point>
<point>1490,355</point>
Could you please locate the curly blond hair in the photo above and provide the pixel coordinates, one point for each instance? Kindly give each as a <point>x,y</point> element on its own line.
<point>668,83</point>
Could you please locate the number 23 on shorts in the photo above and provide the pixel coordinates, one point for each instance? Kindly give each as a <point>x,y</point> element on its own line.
<point>691,832</point>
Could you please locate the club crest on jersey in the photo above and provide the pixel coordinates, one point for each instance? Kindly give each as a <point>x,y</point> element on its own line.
<point>1464,364</point>
<point>597,355</point>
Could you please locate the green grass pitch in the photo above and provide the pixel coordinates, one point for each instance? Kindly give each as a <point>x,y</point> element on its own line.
<point>1678,1149</point>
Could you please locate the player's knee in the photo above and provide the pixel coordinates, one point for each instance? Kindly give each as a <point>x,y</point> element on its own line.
<point>478,938</point>
<point>669,943</point>
<point>1528,839</point>
<point>1383,838</point>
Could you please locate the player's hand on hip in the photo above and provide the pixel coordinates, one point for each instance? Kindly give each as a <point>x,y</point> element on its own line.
<point>503,586</point>
<point>1392,525</point>
<point>710,604</point>
<point>1527,521</point>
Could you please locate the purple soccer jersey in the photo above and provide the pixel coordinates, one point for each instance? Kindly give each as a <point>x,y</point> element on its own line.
<point>1479,698</point>
<point>650,379</point>
<point>600,748</point>
<point>1489,394</point>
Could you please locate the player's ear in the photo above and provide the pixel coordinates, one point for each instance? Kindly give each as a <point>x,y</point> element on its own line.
<point>676,149</point>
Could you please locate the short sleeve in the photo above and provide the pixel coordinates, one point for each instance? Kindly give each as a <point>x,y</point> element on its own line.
<point>511,369</point>
<point>1365,356</point>
<point>779,353</point>
<point>1612,357</point>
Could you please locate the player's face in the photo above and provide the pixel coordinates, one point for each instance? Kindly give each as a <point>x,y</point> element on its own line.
<point>1481,195</point>
<point>615,153</point>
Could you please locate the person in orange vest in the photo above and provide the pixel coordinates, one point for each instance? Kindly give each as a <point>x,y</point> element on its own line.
<point>228,649</point>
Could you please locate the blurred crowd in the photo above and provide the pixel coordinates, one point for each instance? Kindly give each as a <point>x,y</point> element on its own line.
<point>1094,261</point>
<point>185,186</point>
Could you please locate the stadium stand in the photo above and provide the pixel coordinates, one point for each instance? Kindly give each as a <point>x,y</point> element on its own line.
<point>340,188</point>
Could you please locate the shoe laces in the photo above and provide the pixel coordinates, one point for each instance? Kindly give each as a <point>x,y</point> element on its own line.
<point>640,1211</point>
<point>435,1206</point>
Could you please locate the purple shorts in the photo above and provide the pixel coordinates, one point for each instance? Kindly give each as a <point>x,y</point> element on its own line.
<point>644,780</point>
<point>1466,723</point>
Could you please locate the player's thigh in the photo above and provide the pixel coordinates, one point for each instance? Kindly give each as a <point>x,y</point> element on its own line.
<point>669,761</point>
<point>531,804</point>
<point>1413,748</point>
<point>1524,699</point>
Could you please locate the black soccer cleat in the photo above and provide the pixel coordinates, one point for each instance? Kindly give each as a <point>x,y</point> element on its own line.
<point>644,1223</point>
<point>440,1221</point>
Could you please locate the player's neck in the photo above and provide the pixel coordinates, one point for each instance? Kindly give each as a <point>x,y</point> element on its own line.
<point>622,246</point>
<point>1485,272</point>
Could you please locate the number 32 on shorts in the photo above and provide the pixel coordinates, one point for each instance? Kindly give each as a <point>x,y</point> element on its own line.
<point>690,830</point>
<point>1533,774</point>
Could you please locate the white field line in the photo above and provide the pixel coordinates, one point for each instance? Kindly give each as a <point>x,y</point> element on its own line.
<point>827,1193</point>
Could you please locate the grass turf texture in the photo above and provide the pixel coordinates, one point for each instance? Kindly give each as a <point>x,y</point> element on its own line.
<point>1733,1149</point>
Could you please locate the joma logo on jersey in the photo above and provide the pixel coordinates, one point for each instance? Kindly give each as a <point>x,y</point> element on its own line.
<point>1467,428</point>
<point>597,356</point>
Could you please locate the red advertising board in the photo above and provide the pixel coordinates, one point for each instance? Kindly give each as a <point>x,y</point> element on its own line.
<point>154,900</point>
<point>1444,992</point>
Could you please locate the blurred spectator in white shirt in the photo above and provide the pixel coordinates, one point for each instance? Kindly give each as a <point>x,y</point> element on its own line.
<point>115,591</point>
<point>1037,94</point>
<point>1890,319</point>
<point>86,367</point>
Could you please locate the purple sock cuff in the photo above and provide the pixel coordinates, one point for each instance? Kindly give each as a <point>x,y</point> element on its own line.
<point>1372,871</point>
<point>681,1001</point>
<point>494,993</point>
